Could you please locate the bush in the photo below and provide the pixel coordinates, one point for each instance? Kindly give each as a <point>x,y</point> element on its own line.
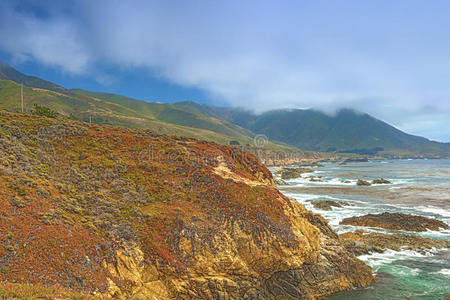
<point>234,143</point>
<point>40,110</point>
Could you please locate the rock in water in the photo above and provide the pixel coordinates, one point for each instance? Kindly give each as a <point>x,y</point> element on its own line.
<point>396,221</point>
<point>361,242</point>
<point>291,173</point>
<point>138,215</point>
<point>355,159</point>
<point>327,204</point>
<point>279,181</point>
<point>362,182</point>
<point>381,181</point>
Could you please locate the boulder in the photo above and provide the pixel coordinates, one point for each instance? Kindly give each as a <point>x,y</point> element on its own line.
<point>381,181</point>
<point>361,242</point>
<point>362,182</point>
<point>327,204</point>
<point>396,221</point>
<point>355,159</point>
<point>291,173</point>
<point>279,181</point>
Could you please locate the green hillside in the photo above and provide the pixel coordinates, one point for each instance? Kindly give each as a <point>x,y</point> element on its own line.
<point>111,109</point>
<point>347,131</point>
<point>9,73</point>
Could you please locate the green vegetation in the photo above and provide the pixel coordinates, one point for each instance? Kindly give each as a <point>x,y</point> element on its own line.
<point>110,109</point>
<point>345,132</point>
<point>104,187</point>
<point>43,111</point>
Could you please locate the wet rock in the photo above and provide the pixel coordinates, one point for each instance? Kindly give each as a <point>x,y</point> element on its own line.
<point>381,181</point>
<point>362,182</point>
<point>291,173</point>
<point>396,221</point>
<point>350,160</point>
<point>328,204</point>
<point>314,179</point>
<point>361,242</point>
<point>279,181</point>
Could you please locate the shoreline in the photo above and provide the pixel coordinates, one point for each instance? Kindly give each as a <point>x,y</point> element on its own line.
<point>405,196</point>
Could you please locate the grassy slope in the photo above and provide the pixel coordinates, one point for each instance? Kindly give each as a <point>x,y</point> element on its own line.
<point>9,73</point>
<point>122,111</point>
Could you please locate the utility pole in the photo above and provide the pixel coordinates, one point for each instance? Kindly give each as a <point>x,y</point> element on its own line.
<point>21,96</point>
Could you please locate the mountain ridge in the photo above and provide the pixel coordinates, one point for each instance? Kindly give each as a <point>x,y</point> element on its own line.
<point>111,109</point>
<point>286,129</point>
<point>348,131</point>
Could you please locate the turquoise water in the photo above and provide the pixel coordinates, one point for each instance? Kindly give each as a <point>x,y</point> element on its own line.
<point>420,187</point>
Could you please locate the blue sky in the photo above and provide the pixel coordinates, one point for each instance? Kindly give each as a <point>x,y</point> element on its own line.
<point>388,58</point>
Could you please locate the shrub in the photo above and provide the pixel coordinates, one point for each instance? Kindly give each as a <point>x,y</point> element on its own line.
<point>40,110</point>
<point>234,143</point>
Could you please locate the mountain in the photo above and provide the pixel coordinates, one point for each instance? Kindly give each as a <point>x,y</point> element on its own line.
<point>9,73</point>
<point>347,131</point>
<point>104,108</point>
<point>129,214</point>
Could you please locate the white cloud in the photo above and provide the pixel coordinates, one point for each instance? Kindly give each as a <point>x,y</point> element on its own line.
<point>55,42</point>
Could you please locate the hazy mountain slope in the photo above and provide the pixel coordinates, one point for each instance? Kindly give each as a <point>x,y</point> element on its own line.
<point>313,130</point>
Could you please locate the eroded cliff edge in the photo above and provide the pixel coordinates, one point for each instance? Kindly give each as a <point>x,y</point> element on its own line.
<point>127,213</point>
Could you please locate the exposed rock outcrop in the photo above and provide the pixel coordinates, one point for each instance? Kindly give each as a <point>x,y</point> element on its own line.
<point>287,158</point>
<point>396,221</point>
<point>291,173</point>
<point>132,214</point>
<point>279,181</point>
<point>362,242</point>
<point>355,159</point>
<point>328,204</point>
<point>381,181</point>
<point>362,182</point>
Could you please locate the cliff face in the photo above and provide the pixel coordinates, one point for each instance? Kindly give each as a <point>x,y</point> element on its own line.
<point>285,158</point>
<point>130,213</point>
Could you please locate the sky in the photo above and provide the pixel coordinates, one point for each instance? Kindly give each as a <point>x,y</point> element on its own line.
<point>388,58</point>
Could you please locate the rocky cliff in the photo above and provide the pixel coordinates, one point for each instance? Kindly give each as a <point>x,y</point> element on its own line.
<point>127,213</point>
<point>284,158</point>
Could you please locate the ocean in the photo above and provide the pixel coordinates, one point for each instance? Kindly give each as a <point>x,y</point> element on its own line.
<point>419,187</point>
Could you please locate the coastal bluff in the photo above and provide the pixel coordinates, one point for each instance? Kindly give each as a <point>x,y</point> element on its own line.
<point>128,213</point>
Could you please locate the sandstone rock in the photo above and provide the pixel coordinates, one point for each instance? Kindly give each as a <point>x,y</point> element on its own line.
<point>396,221</point>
